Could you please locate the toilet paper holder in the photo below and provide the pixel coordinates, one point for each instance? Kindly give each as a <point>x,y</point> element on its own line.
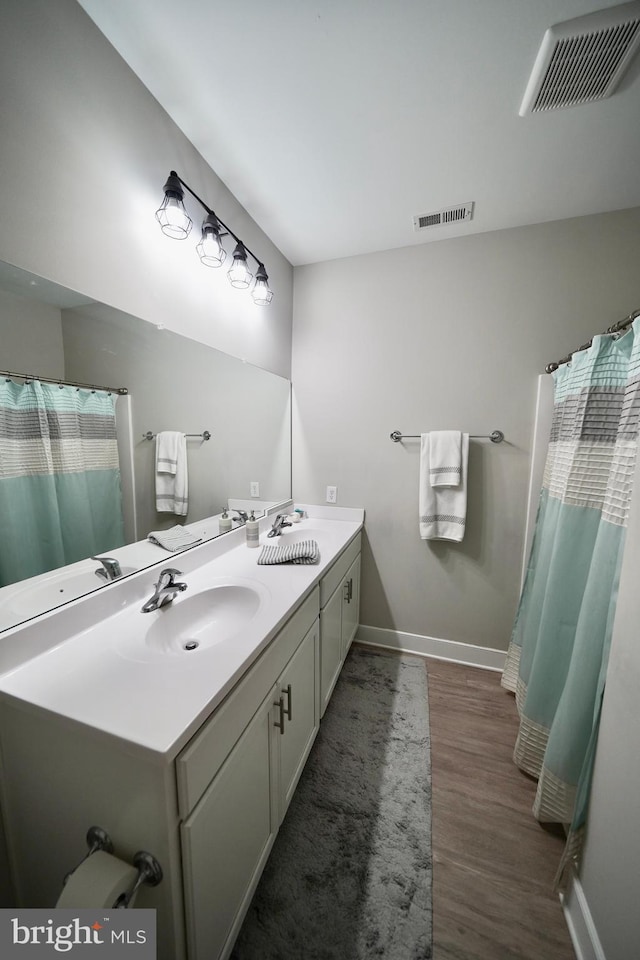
<point>149,869</point>
<point>149,873</point>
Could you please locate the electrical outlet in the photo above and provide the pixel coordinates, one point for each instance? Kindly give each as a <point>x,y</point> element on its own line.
<point>255,488</point>
<point>332,494</point>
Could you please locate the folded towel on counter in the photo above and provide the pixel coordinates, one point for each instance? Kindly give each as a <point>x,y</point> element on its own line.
<point>305,551</point>
<point>442,510</point>
<point>176,538</point>
<point>445,458</point>
<point>172,485</point>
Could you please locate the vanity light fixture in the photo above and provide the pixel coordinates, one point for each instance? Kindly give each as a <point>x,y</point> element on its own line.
<point>175,223</point>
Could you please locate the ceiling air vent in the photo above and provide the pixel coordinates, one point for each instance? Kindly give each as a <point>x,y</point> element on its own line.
<point>463,211</point>
<point>584,59</point>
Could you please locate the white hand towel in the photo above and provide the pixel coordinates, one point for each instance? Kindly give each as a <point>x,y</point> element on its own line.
<point>176,538</point>
<point>305,551</point>
<point>445,458</point>
<point>442,510</point>
<point>172,485</point>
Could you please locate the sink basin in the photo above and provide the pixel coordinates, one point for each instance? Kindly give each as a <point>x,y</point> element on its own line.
<point>194,623</point>
<point>47,591</point>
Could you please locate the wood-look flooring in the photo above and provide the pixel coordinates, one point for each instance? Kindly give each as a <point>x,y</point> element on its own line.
<point>494,864</point>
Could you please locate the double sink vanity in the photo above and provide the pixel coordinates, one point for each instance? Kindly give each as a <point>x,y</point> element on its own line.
<point>182,731</point>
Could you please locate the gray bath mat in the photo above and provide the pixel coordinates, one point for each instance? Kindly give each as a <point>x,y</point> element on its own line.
<point>350,873</point>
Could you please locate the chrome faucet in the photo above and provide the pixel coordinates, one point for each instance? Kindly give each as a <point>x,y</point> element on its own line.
<point>241,516</point>
<point>279,522</point>
<point>110,569</point>
<point>165,589</point>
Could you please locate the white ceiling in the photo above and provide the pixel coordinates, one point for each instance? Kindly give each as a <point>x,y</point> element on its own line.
<point>334,122</point>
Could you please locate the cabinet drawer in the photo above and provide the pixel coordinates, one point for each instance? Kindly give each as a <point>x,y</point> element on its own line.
<point>334,576</point>
<point>204,755</point>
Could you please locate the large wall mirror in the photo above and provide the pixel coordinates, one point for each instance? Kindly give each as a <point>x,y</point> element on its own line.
<point>173,383</point>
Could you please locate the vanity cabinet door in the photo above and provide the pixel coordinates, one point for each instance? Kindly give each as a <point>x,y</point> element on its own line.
<point>330,646</point>
<point>350,605</point>
<point>338,625</point>
<point>298,718</point>
<point>227,838</point>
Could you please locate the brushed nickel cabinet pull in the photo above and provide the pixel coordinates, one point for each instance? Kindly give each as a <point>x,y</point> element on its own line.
<point>287,709</point>
<point>280,723</point>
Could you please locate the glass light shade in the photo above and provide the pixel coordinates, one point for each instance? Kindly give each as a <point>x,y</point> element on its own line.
<point>239,274</point>
<point>174,220</point>
<point>210,249</point>
<point>261,293</point>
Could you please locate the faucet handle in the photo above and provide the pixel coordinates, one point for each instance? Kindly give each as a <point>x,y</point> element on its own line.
<point>169,572</point>
<point>110,567</point>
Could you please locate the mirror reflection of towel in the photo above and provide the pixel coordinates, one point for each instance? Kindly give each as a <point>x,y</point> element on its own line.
<point>172,484</point>
<point>176,538</point>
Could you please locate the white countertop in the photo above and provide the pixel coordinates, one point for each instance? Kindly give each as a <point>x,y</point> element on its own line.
<point>88,661</point>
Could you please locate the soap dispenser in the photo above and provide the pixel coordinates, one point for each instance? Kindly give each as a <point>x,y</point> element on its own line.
<point>224,523</point>
<point>252,526</point>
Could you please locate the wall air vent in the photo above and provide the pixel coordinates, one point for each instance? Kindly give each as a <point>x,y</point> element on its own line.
<point>584,59</point>
<point>462,211</point>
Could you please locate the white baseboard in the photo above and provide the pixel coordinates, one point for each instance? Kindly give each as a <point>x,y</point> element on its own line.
<point>582,929</point>
<point>467,653</point>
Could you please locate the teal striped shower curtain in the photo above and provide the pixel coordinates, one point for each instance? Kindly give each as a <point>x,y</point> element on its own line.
<point>60,496</point>
<point>557,659</point>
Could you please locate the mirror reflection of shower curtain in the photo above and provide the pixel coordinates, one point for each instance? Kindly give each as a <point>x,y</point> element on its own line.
<point>557,659</point>
<point>60,496</point>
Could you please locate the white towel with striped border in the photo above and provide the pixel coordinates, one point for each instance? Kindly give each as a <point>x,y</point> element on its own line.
<point>445,458</point>
<point>172,484</point>
<point>176,538</point>
<point>442,510</point>
<point>304,551</point>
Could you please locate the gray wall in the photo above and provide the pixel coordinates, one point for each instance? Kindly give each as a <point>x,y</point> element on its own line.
<point>448,335</point>
<point>30,337</point>
<point>84,153</point>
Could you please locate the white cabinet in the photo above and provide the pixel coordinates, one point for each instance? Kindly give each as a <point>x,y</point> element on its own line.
<point>251,771</point>
<point>227,838</point>
<point>340,603</point>
<point>350,605</point>
<point>298,717</point>
<point>210,814</point>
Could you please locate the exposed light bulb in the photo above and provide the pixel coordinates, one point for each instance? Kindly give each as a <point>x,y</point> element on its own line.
<point>174,220</point>
<point>261,293</point>
<point>210,249</point>
<point>239,274</point>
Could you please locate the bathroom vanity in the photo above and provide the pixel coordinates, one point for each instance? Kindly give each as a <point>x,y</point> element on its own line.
<point>107,717</point>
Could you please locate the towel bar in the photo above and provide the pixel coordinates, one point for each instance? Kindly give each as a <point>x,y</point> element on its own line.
<point>496,437</point>
<point>205,435</point>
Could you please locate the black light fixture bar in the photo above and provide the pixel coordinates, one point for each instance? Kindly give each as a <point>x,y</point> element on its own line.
<point>221,222</point>
<point>261,293</point>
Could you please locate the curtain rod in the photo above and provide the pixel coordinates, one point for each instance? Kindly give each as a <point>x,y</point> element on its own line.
<point>65,383</point>
<point>614,328</point>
